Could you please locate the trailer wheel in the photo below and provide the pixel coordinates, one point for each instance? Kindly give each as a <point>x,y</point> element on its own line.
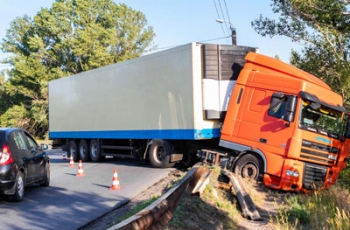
<point>84,151</point>
<point>249,166</point>
<point>159,154</point>
<point>94,151</point>
<point>73,150</point>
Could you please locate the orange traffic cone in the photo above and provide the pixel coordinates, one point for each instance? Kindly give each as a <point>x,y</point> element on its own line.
<point>80,169</point>
<point>71,162</point>
<point>115,185</point>
<point>64,156</point>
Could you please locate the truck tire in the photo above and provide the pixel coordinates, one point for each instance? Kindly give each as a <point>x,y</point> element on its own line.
<point>84,151</point>
<point>159,154</point>
<point>94,151</point>
<point>249,166</point>
<point>73,150</point>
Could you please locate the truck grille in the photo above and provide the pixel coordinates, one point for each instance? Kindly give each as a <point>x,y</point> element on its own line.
<point>318,153</point>
<point>314,176</point>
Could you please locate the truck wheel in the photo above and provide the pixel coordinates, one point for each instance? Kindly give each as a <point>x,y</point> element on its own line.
<point>73,150</point>
<point>159,154</point>
<point>83,151</point>
<point>249,166</point>
<point>94,151</point>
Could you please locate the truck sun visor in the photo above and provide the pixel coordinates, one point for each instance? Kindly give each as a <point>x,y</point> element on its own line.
<point>313,98</point>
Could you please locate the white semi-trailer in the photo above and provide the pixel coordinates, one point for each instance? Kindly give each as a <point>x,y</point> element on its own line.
<point>133,107</point>
<point>272,120</point>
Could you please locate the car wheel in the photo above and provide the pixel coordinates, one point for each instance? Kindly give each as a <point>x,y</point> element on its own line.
<point>249,166</point>
<point>83,150</point>
<point>46,178</point>
<point>159,154</point>
<point>73,150</point>
<point>19,193</point>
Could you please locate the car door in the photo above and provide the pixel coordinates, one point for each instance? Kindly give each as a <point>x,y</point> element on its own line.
<point>38,155</point>
<point>20,146</point>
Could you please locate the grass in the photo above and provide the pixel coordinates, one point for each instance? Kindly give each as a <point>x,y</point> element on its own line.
<point>217,208</point>
<point>328,209</point>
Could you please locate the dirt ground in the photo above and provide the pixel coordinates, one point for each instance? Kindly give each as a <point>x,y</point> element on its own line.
<point>267,202</point>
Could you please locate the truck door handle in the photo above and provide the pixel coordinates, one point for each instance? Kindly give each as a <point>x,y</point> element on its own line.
<point>262,140</point>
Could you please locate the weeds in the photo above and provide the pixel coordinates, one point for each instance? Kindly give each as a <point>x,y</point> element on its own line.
<point>319,210</point>
<point>216,208</point>
<point>175,181</point>
<point>211,210</point>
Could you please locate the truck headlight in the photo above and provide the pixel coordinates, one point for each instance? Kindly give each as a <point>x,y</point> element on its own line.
<point>292,173</point>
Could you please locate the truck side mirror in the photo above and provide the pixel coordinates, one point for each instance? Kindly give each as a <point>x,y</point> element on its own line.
<point>347,128</point>
<point>290,108</point>
<point>291,103</point>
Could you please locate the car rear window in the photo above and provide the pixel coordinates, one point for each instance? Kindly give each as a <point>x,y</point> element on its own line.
<point>2,138</point>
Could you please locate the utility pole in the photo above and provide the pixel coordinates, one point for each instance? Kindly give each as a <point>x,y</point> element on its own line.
<point>233,31</point>
<point>233,34</point>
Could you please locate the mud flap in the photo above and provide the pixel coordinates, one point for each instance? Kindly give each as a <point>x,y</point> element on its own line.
<point>176,157</point>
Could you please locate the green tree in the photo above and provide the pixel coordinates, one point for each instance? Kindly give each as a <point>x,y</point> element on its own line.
<point>323,26</point>
<point>3,97</point>
<point>70,37</point>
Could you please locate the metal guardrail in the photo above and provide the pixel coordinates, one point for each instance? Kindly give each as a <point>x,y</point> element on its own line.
<point>160,212</point>
<point>245,201</point>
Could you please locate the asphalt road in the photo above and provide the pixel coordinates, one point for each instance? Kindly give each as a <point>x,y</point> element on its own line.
<point>71,202</point>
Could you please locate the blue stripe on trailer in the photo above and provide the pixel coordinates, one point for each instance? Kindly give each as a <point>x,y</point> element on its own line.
<point>178,134</point>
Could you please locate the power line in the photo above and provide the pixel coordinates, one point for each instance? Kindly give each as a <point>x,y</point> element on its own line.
<point>217,12</point>
<point>223,17</point>
<point>168,47</point>
<point>213,39</point>
<point>228,15</point>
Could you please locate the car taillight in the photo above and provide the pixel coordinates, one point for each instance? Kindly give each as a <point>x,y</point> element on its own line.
<point>5,156</point>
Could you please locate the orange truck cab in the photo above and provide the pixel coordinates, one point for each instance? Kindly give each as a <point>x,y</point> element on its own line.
<point>287,126</point>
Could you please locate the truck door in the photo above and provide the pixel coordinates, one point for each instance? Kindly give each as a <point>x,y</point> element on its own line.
<point>277,130</point>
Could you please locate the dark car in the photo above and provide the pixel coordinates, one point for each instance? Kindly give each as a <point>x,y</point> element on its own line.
<point>22,162</point>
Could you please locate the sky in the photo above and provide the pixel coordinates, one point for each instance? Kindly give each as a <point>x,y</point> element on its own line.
<point>183,21</point>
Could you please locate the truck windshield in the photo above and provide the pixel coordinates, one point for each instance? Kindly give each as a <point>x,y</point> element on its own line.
<point>322,120</point>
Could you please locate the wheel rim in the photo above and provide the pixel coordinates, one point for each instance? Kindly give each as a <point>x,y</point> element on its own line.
<point>160,153</point>
<point>82,151</point>
<point>250,170</point>
<point>93,150</point>
<point>72,151</point>
<point>20,186</point>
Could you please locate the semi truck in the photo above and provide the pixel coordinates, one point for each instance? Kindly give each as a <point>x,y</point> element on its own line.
<point>269,120</point>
